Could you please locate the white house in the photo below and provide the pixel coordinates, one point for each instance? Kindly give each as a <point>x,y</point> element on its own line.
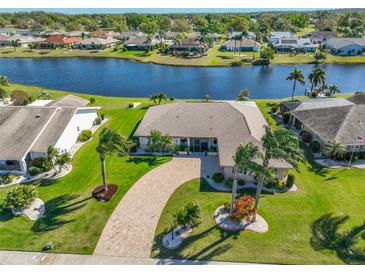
<point>276,35</point>
<point>287,44</point>
<point>28,131</point>
<point>346,46</point>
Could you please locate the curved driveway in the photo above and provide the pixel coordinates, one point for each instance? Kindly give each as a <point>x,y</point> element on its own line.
<point>131,228</point>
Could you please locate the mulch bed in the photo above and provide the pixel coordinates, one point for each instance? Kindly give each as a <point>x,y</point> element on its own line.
<point>104,196</point>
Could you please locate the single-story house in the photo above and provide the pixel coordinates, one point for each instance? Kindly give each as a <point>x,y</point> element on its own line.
<point>319,37</point>
<point>194,35</point>
<point>276,35</point>
<point>126,35</point>
<point>209,127</point>
<point>104,34</point>
<point>76,33</point>
<point>98,43</point>
<point>58,42</point>
<point>346,46</point>
<point>358,98</point>
<point>23,41</point>
<point>28,131</point>
<point>53,33</point>
<point>139,43</point>
<point>244,44</point>
<point>171,35</point>
<point>288,44</point>
<point>189,45</point>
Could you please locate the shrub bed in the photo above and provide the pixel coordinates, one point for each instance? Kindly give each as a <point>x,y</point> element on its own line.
<point>290,180</point>
<point>314,146</point>
<point>34,171</point>
<point>20,197</point>
<point>218,177</point>
<point>85,135</point>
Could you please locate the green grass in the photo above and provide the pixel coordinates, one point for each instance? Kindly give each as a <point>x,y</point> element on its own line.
<point>74,221</point>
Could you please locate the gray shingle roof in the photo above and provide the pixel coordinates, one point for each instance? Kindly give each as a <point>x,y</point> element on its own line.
<point>244,43</point>
<point>342,124</point>
<point>98,41</point>
<point>69,101</point>
<point>358,98</point>
<point>307,104</point>
<point>338,43</point>
<point>19,127</point>
<point>232,123</point>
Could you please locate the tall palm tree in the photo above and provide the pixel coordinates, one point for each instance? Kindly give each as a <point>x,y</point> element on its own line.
<point>3,93</point>
<point>4,81</point>
<point>317,77</point>
<point>334,150</point>
<point>281,144</point>
<point>15,44</point>
<point>244,161</point>
<point>52,155</point>
<point>158,97</point>
<point>258,39</point>
<point>332,89</point>
<point>111,142</point>
<point>297,76</point>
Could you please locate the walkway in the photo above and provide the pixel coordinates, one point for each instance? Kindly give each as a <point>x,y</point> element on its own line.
<point>130,229</point>
<point>38,258</point>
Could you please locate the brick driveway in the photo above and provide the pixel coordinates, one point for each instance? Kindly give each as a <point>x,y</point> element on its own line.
<point>131,228</point>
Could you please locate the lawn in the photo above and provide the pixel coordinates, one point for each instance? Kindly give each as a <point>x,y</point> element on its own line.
<point>291,216</point>
<point>73,220</point>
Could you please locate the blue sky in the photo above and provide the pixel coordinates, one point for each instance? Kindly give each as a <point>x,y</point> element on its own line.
<point>156,10</point>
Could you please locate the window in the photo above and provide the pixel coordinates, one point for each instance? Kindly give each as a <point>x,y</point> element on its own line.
<point>184,142</point>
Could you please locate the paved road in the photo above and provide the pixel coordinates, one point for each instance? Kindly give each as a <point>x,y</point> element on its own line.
<point>130,229</point>
<point>37,258</point>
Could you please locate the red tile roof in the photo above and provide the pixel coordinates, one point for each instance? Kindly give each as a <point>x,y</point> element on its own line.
<point>63,40</point>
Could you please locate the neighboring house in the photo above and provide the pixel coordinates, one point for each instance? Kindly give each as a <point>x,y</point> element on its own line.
<point>319,37</point>
<point>59,42</point>
<point>209,127</point>
<point>276,35</point>
<point>194,35</point>
<point>235,34</point>
<point>346,46</point>
<point>330,119</point>
<point>23,41</point>
<point>98,43</point>
<point>171,35</point>
<point>289,44</point>
<point>139,43</point>
<point>104,34</point>
<point>53,33</point>
<point>245,44</point>
<point>126,35</point>
<point>28,131</point>
<point>76,33</point>
<point>191,45</point>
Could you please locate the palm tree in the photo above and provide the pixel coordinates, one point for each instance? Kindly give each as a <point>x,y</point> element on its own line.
<point>332,89</point>
<point>258,39</point>
<point>4,81</point>
<point>281,144</point>
<point>244,95</point>
<point>317,77</point>
<point>62,160</point>
<point>3,94</point>
<point>15,44</point>
<point>167,143</point>
<point>111,142</point>
<point>244,161</point>
<point>44,95</point>
<point>158,97</point>
<point>52,155</point>
<point>296,75</point>
<point>334,150</point>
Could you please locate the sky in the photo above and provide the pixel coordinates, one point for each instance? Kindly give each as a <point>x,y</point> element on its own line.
<point>150,10</point>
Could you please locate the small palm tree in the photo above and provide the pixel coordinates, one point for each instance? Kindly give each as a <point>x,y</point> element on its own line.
<point>15,44</point>
<point>244,161</point>
<point>258,38</point>
<point>52,155</point>
<point>62,160</point>
<point>4,81</point>
<point>335,150</point>
<point>3,94</point>
<point>281,144</point>
<point>317,77</point>
<point>44,95</point>
<point>332,89</point>
<point>158,97</point>
<point>297,76</point>
<point>111,142</point>
<point>244,95</point>
<point>167,143</point>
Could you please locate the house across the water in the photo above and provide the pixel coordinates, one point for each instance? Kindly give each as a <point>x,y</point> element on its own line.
<point>209,127</point>
<point>28,131</point>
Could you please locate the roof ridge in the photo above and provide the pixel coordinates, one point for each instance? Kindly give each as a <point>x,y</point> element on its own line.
<point>344,120</point>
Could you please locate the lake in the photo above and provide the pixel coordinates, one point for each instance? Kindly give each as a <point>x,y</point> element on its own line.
<point>116,77</point>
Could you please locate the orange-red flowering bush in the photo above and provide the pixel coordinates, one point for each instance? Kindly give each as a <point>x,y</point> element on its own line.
<point>243,208</point>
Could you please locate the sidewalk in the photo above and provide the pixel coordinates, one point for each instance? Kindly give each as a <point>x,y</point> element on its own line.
<point>38,258</point>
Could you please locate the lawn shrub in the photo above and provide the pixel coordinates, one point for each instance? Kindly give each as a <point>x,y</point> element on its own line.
<point>20,98</point>
<point>244,208</point>
<point>92,100</point>
<point>314,146</point>
<point>85,135</point>
<point>20,197</point>
<point>229,183</point>
<point>130,105</point>
<point>33,170</point>
<point>38,162</point>
<point>290,180</point>
<point>97,121</point>
<point>274,108</point>
<point>102,116</point>
<point>286,117</point>
<point>6,179</point>
<point>218,177</point>
<point>241,182</point>
<point>306,136</point>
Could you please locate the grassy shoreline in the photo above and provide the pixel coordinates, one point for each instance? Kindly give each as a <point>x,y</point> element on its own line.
<point>214,57</point>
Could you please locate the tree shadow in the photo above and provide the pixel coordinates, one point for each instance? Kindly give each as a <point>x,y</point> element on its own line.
<point>5,215</point>
<point>56,211</point>
<point>326,236</point>
<point>131,135</point>
<point>335,176</point>
<point>150,160</point>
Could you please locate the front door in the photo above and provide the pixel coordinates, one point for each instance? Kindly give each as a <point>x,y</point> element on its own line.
<point>204,146</point>
<point>196,145</point>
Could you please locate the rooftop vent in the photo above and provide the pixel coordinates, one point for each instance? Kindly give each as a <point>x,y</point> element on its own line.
<point>38,115</point>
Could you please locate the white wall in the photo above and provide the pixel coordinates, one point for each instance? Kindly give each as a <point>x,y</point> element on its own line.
<point>83,119</point>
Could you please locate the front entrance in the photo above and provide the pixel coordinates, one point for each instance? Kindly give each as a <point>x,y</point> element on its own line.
<point>199,145</point>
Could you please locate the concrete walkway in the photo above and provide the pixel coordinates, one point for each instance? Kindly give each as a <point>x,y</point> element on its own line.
<point>38,258</point>
<point>130,229</point>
